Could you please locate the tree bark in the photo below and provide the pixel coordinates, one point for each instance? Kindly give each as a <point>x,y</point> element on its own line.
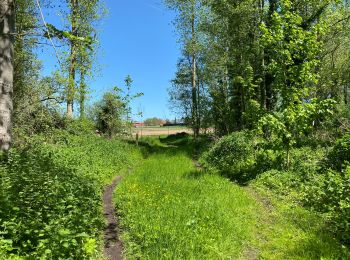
<point>346,95</point>
<point>82,93</point>
<point>7,30</point>
<point>194,79</point>
<point>73,60</point>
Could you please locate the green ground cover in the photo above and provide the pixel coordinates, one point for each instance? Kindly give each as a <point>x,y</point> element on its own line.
<point>50,195</point>
<point>171,210</point>
<point>51,205</point>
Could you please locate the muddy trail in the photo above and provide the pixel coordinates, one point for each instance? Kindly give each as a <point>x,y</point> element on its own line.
<point>112,245</point>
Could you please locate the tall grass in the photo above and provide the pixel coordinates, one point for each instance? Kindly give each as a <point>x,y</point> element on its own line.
<point>170,210</point>
<point>288,231</point>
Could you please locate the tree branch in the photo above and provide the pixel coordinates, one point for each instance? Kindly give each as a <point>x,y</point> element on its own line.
<point>51,98</point>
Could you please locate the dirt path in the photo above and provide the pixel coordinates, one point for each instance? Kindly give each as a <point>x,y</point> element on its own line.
<point>113,247</point>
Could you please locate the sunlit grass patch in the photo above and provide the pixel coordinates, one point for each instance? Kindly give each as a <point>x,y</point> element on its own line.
<point>170,210</point>
<point>287,231</point>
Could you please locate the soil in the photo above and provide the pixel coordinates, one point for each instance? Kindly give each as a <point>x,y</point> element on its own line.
<point>113,248</point>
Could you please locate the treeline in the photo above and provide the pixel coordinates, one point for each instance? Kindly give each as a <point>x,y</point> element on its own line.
<point>243,61</point>
<point>34,104</point>
<point>272,78</point>
<point>37,101</point>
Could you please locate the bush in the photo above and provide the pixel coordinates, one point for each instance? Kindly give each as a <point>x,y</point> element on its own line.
<point>339,157</point>
<point>50,196</point>
<point>329,193</point>
<point>326,192</point>
<point>280,182</point>
<point>268,159</point>
<point>80,127</point>
<point>303,160</point>
<point>232,156</point>
<point>306,160</point>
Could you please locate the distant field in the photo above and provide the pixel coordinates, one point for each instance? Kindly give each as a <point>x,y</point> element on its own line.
<point>157,130</point>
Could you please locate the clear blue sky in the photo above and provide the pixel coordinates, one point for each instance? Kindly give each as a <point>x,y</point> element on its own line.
<point>136,38</point>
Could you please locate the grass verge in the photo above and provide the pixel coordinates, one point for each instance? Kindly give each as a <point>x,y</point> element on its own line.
<point>286,230</point>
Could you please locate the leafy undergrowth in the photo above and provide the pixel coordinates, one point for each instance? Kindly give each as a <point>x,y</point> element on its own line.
<point>50,196</point>
<point>170,210</point>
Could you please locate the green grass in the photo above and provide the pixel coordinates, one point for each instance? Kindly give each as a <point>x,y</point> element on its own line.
<point>170,210</point>
<point>50,197</point>
<point>288,231</point>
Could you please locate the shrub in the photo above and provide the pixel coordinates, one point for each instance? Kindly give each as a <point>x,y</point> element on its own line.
<point>267,160</point>
<point>304,182</point>
<point>306,160</point>
<point>232,156</point>
<point>280,182</point>
<point>80,127</point>
<point>339,157</point>
<point>303,160</point>
<point>50,195</point>
<point>42,204</point>
<point>329,193</point>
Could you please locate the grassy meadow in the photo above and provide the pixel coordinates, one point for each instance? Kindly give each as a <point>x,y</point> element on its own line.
<point>169,209</point>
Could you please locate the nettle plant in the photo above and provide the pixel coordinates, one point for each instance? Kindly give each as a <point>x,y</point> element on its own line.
<point>293,63</point>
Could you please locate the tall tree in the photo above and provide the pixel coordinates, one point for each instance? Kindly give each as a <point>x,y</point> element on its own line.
<point>7,30</point>
<point>187,23</point>
<point>81,41</point>
<point>74,16</point>
<point>91,13</point>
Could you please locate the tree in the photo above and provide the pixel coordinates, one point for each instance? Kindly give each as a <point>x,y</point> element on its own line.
<point>88,24</point>
<point>7,30</point>
<point>293,64</point>
<point>232,61</point>
<point>73,56</point>
<point>81,40</point>
<point>109,114</point>
<point>113,114</point>
<point>180,92</point>
<point>127,99</point>
<point>187,23</point>
<point>84,14</point>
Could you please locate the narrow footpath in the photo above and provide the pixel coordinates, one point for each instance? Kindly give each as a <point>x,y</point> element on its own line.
<point>113,247</point>
<point>170,208</point>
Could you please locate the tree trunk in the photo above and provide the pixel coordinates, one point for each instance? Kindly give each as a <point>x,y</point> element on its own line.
<point>346,95</point>
<point>269,78</point>
<point>73,60</point>
<point>194,97</point>
<point>82,93</point>
<point>199,111</point>
<point>7,30</point>
<point>194,81</point>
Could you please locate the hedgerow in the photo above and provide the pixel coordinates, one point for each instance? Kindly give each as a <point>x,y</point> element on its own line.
<point>50,195</point>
